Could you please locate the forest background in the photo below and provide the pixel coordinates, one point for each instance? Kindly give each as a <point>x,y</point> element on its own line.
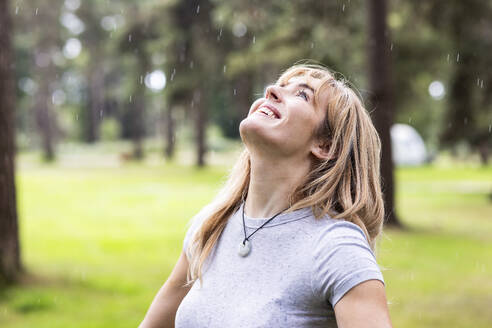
<point>123,116</point>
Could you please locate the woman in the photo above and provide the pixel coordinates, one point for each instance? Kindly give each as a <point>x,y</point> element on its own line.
<point>289,240</point>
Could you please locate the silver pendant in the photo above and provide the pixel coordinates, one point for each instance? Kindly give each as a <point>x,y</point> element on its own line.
<point>245,248</point>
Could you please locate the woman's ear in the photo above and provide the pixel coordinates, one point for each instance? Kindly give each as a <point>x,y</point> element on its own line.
<point>320,149</point>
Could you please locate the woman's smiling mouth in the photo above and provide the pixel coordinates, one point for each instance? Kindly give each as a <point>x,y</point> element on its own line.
<point>268,111</point>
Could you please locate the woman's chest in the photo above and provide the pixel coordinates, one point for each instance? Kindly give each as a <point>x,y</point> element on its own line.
<point>270,286</point>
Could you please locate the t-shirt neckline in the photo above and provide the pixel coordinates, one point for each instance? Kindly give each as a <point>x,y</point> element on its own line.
<point>282,218</point>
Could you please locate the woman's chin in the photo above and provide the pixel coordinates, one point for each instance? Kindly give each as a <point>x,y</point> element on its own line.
<point>255,135</point>
<point>252,126</point>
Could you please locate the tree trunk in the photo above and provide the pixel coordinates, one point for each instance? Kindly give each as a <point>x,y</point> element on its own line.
<point>137,106</point>
<point>460,109</point>
<point>244,94</point>
<point>10,264</point>
<point>44,116</point>
<point>200,126</point>
<point>483,151</point>
<point>170,133</point>
<point>45,71</point>
<point>138,123</point>
<point>96,98</point>
<point>382,99</point>
<point>242,98</point>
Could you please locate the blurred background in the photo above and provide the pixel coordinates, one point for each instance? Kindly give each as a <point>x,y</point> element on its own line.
<point>119,122</point>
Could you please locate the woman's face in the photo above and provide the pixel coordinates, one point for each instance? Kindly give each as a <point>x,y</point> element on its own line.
<point>282,123</point>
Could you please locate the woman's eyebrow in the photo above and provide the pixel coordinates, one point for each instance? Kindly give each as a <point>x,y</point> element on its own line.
<point>302,85</point>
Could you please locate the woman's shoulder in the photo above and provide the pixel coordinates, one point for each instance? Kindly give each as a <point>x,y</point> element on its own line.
<point>336,234</point>
<point>195,223</point>
<point>327,227</point>
<point>342,258</point>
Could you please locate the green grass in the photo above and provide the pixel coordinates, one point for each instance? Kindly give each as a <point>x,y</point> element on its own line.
<point>100,241</point>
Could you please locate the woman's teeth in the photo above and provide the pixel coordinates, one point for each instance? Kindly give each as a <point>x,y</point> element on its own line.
<point>267,112</point>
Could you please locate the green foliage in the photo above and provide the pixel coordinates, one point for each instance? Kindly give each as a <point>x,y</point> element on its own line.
<point>225,48</point>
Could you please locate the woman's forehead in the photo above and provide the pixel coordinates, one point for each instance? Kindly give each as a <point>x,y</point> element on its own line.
<point>302,79</point>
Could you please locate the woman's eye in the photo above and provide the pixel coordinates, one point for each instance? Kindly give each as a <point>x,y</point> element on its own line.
<point>303,94</point>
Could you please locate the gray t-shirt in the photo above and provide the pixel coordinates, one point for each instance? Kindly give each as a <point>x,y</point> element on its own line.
<point>298,269</point>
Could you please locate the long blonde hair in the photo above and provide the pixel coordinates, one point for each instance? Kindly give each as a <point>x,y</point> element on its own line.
<point>346,187</point>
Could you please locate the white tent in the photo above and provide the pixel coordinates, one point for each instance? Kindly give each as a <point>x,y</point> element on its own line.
<point>407,145</point>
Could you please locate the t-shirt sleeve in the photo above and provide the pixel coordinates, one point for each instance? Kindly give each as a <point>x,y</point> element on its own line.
<point>342,260</point>
<point>194,224</point>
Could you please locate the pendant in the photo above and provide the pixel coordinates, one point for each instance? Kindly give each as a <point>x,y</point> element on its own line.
<point>245,248</point>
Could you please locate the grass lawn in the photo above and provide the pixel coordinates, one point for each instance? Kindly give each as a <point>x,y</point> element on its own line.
<point>100,241</point>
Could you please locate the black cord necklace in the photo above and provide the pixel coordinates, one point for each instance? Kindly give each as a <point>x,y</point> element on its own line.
<point>245,246</point>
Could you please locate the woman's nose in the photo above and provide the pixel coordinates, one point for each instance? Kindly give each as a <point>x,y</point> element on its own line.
<point>272,92</point>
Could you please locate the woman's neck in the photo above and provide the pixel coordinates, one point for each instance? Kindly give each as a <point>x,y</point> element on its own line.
<point>271,184</point>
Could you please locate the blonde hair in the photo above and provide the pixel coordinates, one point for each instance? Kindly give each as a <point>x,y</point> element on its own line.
<point>346,187</point>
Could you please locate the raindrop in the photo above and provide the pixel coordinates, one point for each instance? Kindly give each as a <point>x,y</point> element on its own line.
<point>16,10</point>
<point>458,57</point>
<point>76,117</point>
<point>191,64</point>
<point>192,103</point>
<point>225,68</point>
<point>391,47</point>
<point>465,120</point>
<point>234,91</point>
<point>100,113</point>
<point>173,73</point>
<point>141,79</point>
<point>37,11</point>
<point>490,128</point>
<point>129,38</point>
<point>130,98</point>
<point>448,58</point>
<point>254,38</point>
<point>343,7</point>
<point>312,45</point>
<point>198,9</point>
<point>481,84</point>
